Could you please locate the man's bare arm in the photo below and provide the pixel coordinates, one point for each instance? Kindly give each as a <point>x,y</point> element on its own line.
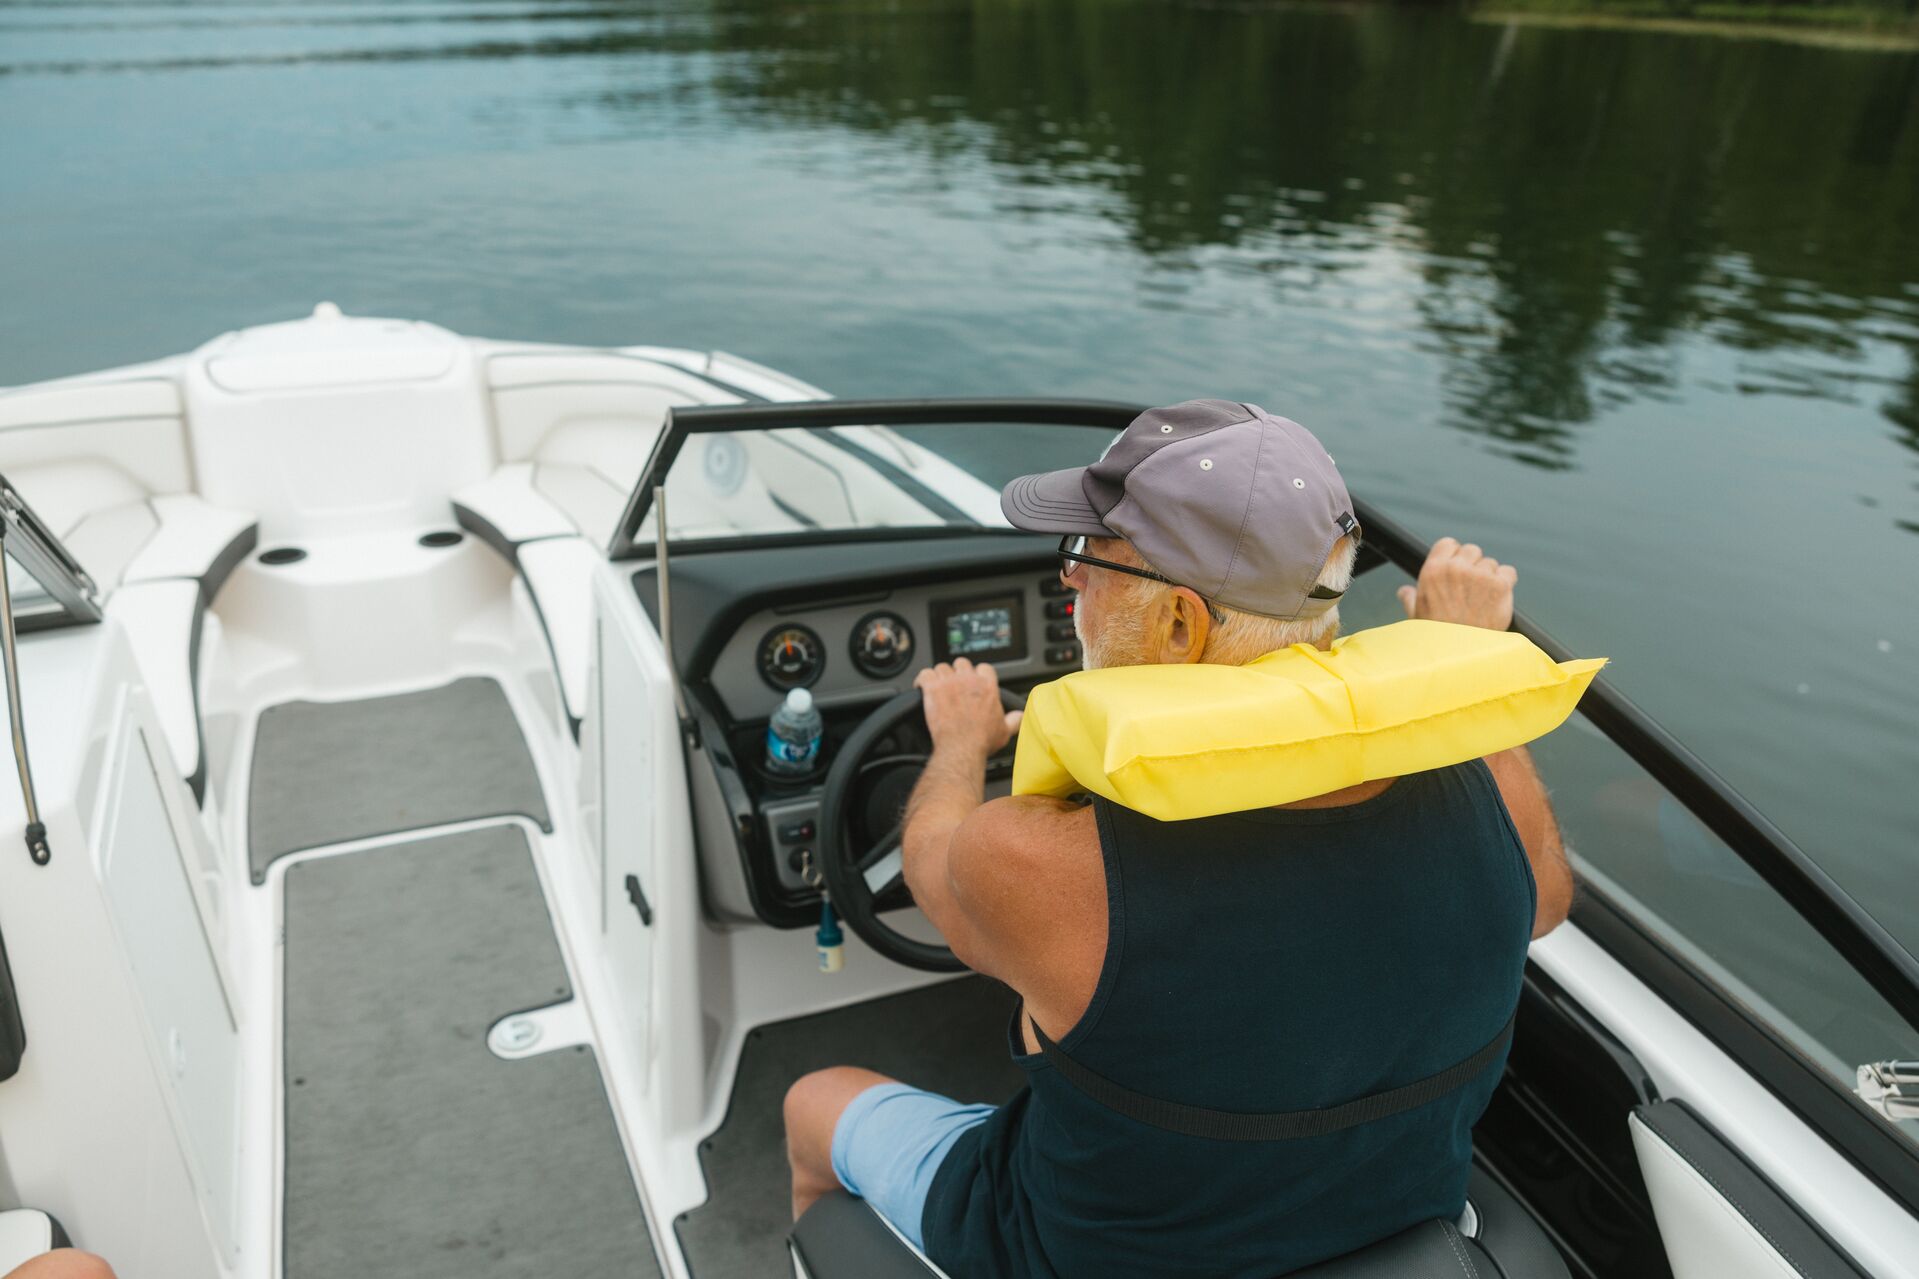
<point>967,723</point>
<point>1532,815</point>
<point>953,785</point>
<point>1463,584</point>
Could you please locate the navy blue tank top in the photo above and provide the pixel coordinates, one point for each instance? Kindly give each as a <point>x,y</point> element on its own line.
<point>1273,961</point>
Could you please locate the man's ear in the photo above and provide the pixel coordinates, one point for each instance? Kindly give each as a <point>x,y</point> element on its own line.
<point>1186,626</point>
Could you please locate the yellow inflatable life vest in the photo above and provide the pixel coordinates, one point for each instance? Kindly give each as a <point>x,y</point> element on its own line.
<point>1177,742</point>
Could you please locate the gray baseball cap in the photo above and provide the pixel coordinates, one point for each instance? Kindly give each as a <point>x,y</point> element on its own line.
<point>1225,498</point>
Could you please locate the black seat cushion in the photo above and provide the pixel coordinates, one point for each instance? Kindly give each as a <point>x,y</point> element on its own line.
<point>841,1238</point>
<point>1430,1250</point>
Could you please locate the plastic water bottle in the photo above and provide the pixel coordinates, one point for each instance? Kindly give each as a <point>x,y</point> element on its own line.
<point>793,736</point>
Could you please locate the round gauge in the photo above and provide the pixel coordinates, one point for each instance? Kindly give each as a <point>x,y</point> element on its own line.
<point>791,657</point>
<point>882,645</point>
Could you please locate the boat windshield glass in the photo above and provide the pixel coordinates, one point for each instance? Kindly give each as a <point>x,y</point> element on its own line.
<point>742,484</point>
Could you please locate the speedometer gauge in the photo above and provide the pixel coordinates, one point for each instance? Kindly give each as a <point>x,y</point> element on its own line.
<point>791,657</point>
<point>882,645</point>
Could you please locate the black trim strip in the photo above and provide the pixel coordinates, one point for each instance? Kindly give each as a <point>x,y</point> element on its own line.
<point>13,1031</point>
<point>1766,1208</point>
<point>487,531</point>
<point>230,558</point>
<point>197,779</point>
<point>1287,1125</point>
<point>1881,1153</point>
<point>1846,926</point>
<point>509,550</point>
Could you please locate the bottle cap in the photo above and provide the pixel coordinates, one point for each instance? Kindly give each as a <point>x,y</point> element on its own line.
<point>799,701</point>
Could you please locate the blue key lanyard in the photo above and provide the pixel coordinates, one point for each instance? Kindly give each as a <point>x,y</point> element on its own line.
<point>828,940</point>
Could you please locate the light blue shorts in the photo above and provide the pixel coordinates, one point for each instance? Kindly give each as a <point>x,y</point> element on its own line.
<point>889,1142</point>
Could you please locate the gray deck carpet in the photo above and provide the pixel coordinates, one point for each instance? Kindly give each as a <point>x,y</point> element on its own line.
<point>950,1038</point>
<point>328,772</point>
<point>412,1152</point>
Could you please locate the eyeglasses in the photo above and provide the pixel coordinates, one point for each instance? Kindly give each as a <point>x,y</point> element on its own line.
<point>1072,551</point>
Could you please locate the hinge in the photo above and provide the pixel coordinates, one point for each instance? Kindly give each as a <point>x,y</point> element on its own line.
<point>1891,1088</point>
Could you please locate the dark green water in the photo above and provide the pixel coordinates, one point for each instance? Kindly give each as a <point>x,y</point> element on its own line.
<point>1639,312</point>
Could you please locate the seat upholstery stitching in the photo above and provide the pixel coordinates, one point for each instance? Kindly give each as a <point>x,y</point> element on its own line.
<point>1466,1265</point>
<point>1725,1194</point>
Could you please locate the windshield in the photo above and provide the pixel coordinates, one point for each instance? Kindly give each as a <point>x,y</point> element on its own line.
<point>736,485</point>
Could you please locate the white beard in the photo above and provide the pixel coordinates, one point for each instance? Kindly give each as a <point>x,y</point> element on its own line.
<point>1122,638</point>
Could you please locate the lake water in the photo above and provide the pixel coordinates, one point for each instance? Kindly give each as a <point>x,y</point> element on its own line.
<point>1638,312</point>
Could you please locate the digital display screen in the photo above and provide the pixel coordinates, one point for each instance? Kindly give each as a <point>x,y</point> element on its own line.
<point>984,630</point>
<point>991,629</point>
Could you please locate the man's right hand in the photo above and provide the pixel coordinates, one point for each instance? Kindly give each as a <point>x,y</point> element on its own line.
<point>1462,584</point>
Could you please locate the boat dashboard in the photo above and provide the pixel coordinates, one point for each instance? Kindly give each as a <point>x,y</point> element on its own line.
<point>854,622</point>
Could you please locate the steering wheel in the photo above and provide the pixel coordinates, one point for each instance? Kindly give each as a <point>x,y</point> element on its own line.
<point>857,878</point>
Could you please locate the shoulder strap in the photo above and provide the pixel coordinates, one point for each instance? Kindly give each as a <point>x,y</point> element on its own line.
<point>1234,1125</point>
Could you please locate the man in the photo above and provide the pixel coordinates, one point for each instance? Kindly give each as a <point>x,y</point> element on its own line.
<point>1208,990</point>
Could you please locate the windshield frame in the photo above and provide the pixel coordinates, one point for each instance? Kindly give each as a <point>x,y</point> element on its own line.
<point>74,597</point>
<point>682,423</point>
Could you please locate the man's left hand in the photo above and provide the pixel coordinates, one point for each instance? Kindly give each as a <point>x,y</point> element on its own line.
<point>963,710</point>
<point>1464,585</point>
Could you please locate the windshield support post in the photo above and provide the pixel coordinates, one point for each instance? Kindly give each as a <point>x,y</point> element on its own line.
<point>36,834</point>
<point>689,727</point>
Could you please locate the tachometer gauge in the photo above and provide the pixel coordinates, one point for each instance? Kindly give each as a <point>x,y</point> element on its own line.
<point>882,645</point>
<point>791,657</point>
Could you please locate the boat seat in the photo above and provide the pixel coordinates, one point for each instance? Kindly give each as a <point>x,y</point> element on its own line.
<point>555,557</point>
<point>163,622</point>
<point>26,1233</point>
<point>121,533</point>
<point>841,1237</point>
<point>158,559</point>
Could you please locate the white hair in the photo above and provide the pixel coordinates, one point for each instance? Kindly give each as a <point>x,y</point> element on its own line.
<point>1240,637</point>
<point>1235,639</point>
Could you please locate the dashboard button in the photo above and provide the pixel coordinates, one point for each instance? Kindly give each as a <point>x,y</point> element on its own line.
<point>1059,608</point>
<point>1063,654</point>
<point>1052,587</point>
<point>1057,631</point>
<point>796,832</point>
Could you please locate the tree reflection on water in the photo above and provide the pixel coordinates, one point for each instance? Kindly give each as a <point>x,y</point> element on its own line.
<point>1578,202</point>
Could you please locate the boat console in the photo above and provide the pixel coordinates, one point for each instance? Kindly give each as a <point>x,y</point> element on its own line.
<point>854,624</point>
